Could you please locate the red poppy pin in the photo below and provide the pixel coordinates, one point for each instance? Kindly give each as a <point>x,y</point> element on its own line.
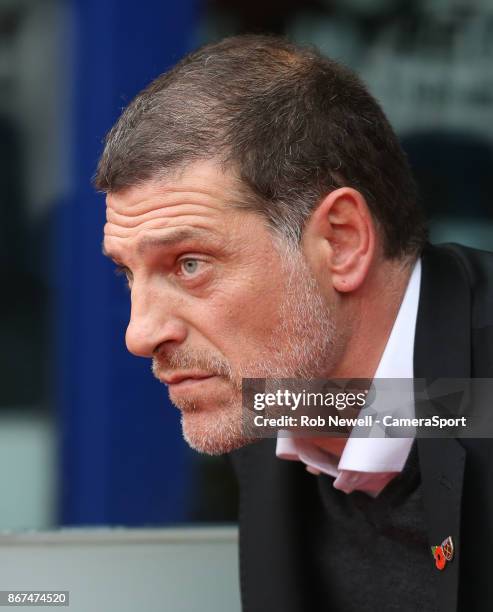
<point>443,553</point>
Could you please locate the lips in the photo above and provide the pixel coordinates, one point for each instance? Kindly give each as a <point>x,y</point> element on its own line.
<point>180,377</point>
<point>185,385</point>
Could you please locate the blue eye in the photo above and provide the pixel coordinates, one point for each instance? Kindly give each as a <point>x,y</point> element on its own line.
<point>189,266</point>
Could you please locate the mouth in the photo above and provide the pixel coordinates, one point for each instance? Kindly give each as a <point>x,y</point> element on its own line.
<point>183,381</point>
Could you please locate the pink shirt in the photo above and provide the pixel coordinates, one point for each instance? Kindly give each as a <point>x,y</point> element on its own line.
<point>368,464</point>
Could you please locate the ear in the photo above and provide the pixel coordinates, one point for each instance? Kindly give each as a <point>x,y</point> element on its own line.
<point>341,237</point>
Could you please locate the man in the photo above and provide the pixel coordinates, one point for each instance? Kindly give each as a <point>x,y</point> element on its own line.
<point>264,214</point>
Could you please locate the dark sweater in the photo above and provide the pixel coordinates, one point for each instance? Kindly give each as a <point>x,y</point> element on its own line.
<point>375,552</point>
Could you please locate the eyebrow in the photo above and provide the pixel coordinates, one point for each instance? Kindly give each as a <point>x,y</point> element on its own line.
<point>168,240</point>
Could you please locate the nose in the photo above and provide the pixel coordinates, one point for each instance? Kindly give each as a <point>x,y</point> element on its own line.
<point>153,321</point>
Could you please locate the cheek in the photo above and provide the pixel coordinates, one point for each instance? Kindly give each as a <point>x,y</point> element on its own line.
<point>242,320</point>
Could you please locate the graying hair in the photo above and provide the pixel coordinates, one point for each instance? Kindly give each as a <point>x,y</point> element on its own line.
<point>290,123</point>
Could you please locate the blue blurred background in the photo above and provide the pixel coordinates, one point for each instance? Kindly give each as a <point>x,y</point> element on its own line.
<point>87,436</point>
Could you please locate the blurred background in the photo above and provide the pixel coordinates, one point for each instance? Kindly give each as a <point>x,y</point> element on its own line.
<point>87,435</point>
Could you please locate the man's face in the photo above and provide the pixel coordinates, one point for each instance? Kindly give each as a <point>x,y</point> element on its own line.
<point>215,299</point>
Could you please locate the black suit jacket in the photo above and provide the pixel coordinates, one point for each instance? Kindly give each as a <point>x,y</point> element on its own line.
<point>454,339</point>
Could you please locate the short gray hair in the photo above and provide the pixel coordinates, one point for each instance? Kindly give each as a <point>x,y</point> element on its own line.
<point>291,123</point>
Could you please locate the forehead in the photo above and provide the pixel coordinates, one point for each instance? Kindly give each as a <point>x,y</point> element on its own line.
<point>197,201</point>
<point>204,179</point>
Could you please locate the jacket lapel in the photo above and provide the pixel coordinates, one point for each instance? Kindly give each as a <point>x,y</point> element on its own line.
<point>443,350</point>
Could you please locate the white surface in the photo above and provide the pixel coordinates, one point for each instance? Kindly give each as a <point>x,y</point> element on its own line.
<point>27,470</point>
<point>161,570</point>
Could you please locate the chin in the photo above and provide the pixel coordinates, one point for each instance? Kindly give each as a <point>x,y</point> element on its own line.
<point>208,434</point>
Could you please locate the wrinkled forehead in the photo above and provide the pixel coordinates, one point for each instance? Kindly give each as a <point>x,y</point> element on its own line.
<point>202,202</point>
<point>208,177</point>
<point>201,196</point>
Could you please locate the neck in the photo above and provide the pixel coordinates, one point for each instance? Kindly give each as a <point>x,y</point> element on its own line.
<point>371,318</point>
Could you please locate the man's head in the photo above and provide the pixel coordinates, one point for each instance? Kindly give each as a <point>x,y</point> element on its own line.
<point>258,200</point>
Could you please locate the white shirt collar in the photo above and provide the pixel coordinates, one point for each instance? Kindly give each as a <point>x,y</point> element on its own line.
<point>368,464</point>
